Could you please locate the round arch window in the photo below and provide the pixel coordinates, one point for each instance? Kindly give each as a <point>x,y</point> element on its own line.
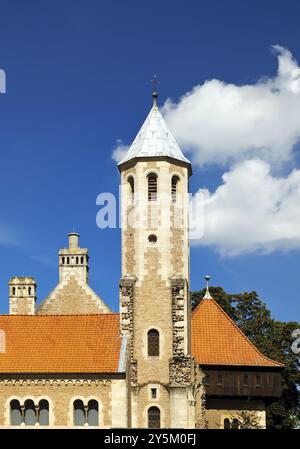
<point>154,418</point>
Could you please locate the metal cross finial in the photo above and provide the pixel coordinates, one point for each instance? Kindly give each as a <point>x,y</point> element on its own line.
<point>155,83</point>
<point>207,294</point>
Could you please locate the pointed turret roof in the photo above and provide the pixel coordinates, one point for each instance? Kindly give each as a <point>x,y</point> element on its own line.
<point>217,340</point>
<point>154,139</point>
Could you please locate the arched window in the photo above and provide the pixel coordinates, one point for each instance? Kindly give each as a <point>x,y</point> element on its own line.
<point>29,291</point>
<point>15,413</point>
<point>68,260</point>
<point>235,424</point>
<point>152,187</point>
<point>30,415</point>
<point>63,260</point>
<point>78,413</point>
<point>93,413</point>
<point>226,423</point>
<point>14,291</point>
<point>44,412</point>
<point>154,418</point>
<point>174,183</point>
<point>77,260</point>
<point>131,188</point>
<point>153,343</point>
<point>82,260</point>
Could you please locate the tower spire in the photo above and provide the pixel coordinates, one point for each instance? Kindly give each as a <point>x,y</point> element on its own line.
<point>154,139</point>
<point>207,294</point>
<point>155,83</point>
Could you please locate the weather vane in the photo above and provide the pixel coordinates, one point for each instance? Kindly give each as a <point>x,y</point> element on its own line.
<point>207,294</point>
<point>155,83</point>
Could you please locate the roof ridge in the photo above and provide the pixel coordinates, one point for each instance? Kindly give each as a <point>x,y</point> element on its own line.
<point>197,306</point>
<point>240,331</point>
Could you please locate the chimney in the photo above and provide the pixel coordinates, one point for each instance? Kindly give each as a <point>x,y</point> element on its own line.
<point>73,261</point>
<point>22,295</point>
<point>73,240</point>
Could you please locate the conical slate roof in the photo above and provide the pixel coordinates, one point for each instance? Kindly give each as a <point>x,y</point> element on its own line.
<point>154,139</point>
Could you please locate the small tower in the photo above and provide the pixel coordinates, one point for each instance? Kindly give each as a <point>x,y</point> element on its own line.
<point>22,295</point>
<point>73,260</point>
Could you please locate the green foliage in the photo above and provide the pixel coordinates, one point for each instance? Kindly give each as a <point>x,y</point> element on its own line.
<point>247,420</point>
<point>274,339</point>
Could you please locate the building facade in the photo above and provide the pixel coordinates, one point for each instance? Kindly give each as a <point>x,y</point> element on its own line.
<point>70,361</point>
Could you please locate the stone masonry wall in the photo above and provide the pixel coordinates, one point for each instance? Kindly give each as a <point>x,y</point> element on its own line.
<point>71,298</point>
<point>149,304</point>
<point>219,409</point>
<point>60,393</point>
<point>21,306</point>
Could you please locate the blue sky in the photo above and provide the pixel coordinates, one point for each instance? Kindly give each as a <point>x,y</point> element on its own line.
<point>78,77</point>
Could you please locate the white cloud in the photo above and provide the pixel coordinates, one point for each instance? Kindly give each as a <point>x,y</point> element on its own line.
<point>222,122</point>
<point>44,260</point>
<point>253,211</point>
<point>255,127</point>
<point>119,151</point>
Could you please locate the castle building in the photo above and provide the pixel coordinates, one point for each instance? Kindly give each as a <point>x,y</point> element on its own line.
<point>70,361</point>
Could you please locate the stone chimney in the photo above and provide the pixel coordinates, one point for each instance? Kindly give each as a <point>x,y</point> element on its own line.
<point>73,260</point>
<point>22,295</point>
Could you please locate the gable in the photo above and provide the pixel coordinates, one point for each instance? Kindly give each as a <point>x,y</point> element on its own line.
<point>72,296</point>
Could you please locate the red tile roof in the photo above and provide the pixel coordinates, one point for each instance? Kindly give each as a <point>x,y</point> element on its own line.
<point>60,343</point>
<point>92,343</point>
<point>217,340</point>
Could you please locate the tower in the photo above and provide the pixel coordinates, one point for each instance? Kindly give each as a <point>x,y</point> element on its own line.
<point>22,295</point>
<point>73,260</point>
<point>72,295</point>
<point>154,288</point>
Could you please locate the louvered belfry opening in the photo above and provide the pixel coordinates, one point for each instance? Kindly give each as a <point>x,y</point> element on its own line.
<point>131,188</point>
<point>152,187</point>
<point>174,182</point>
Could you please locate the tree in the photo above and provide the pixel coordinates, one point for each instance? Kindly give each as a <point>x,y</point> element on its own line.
<point>274,339</point>
<point>246,420</point>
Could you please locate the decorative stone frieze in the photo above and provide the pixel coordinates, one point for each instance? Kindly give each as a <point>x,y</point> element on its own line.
<point>178,288</point>
<point>55,382</point>
<point>126,317</point>
<point>181,371</point>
